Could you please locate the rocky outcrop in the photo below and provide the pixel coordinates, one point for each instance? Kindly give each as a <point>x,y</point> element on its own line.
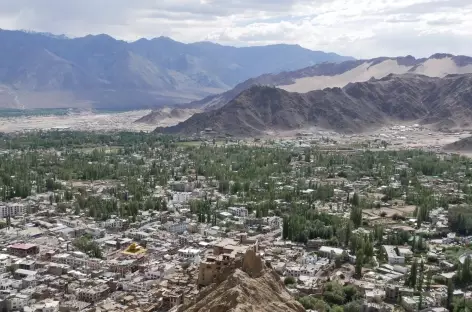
<point>249,288</point>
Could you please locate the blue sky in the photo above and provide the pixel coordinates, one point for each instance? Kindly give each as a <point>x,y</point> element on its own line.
<point>361,28</point>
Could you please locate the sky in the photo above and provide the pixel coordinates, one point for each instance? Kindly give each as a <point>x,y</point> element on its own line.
<point>359,28</point>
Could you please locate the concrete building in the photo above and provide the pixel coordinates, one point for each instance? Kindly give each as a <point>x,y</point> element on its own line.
<point>330,252</point>
<point>113,224</point>
<point>176,228</point>
<point>11,210</point>
<point>23,250</point>
<point>77,260</point>
<point>239,212</point>
<point>393,255</point>
<point>93,294</point>
<point>190,254</point>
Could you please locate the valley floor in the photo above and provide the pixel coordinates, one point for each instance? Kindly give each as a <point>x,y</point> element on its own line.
<point>84,122</point>
<point>390,137</point>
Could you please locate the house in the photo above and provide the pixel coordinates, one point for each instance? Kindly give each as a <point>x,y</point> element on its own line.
<point>330,252</point>
<point>176,228</point>
<point>23,250</point>
<point>239,211</point>
<point>93,294</point>
<point>393,255</point>
<point>190,254</point>
<point>11,210</point>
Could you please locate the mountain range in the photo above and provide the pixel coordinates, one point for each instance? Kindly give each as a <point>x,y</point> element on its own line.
<point>40,70</point>
<point>358,106</point>
<point>329,75</point>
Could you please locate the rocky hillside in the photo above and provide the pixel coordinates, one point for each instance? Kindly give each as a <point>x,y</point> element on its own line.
<point>443,102</point>
<point>246,290</point>
<point>330,75</point>
<point>163,114</point>
<point>463,145</point>
<point>40,70</point>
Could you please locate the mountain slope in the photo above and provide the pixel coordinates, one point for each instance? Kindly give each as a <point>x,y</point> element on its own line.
<point>463,145</point>
<point>107,73</point>
<point>166,114</point>
<point>330,75</point>
<point>354,108</point>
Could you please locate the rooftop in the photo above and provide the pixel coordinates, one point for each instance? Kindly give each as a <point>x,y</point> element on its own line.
<point>22,246</point>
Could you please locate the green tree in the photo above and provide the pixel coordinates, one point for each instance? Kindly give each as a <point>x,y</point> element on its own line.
<point>412,277</point>
<point>289,280</point>
<point>359,262</point>
<point>450,295</point>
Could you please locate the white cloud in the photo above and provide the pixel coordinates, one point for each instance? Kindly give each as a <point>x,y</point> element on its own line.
<point>362,28</point>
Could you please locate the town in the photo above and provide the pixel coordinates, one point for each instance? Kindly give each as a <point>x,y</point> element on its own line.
<point>141,222</point>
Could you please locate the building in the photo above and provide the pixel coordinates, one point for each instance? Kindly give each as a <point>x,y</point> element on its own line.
<point>113,223</point>
<point>224,255</point>
<point>330,252</point>
<point>17,302</point>
<point>393,255</point>
<point>23,250</point>
<point>11,210</point>
<point>176,228</point>
<point>189,254</point>
<point>375,307</point>
<point>78,260</point>
<point>160,271</point>
<point>239,212</point>
<point>93,294</point>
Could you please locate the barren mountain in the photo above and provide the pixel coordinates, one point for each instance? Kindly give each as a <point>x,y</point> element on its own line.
<point>463,145</point>
<point>167,115</point>
<point>246,290</point>
<point>40,70</point>
<point>330,75</point>
<point>442,102</point>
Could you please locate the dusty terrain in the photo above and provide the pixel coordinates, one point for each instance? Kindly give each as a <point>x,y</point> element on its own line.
<point>84,121</point>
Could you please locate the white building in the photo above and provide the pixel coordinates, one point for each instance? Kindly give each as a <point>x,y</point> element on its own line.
<point>181,197</point>
<point>293,271</point>
<point>309,259</point>
<point>18,302</point>
<point>190,254</point>
<point>393,256</point>
<point>78,261</point>
<point>113,224</point>
<point>239,212</point>
<point>158,272</point>
<point>330,252</point>
<point>12,210</point>
<point>137,285</point>
<point>176,227</point>
<point>301,270</point>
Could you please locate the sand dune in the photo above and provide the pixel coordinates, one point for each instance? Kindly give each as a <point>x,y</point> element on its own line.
<point>441,68</point>
<point>365,71</point>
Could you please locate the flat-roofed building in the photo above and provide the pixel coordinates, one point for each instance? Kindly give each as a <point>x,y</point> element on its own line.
<point>393,255</point>
<point>23,250</point>
<point>330,252</point>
